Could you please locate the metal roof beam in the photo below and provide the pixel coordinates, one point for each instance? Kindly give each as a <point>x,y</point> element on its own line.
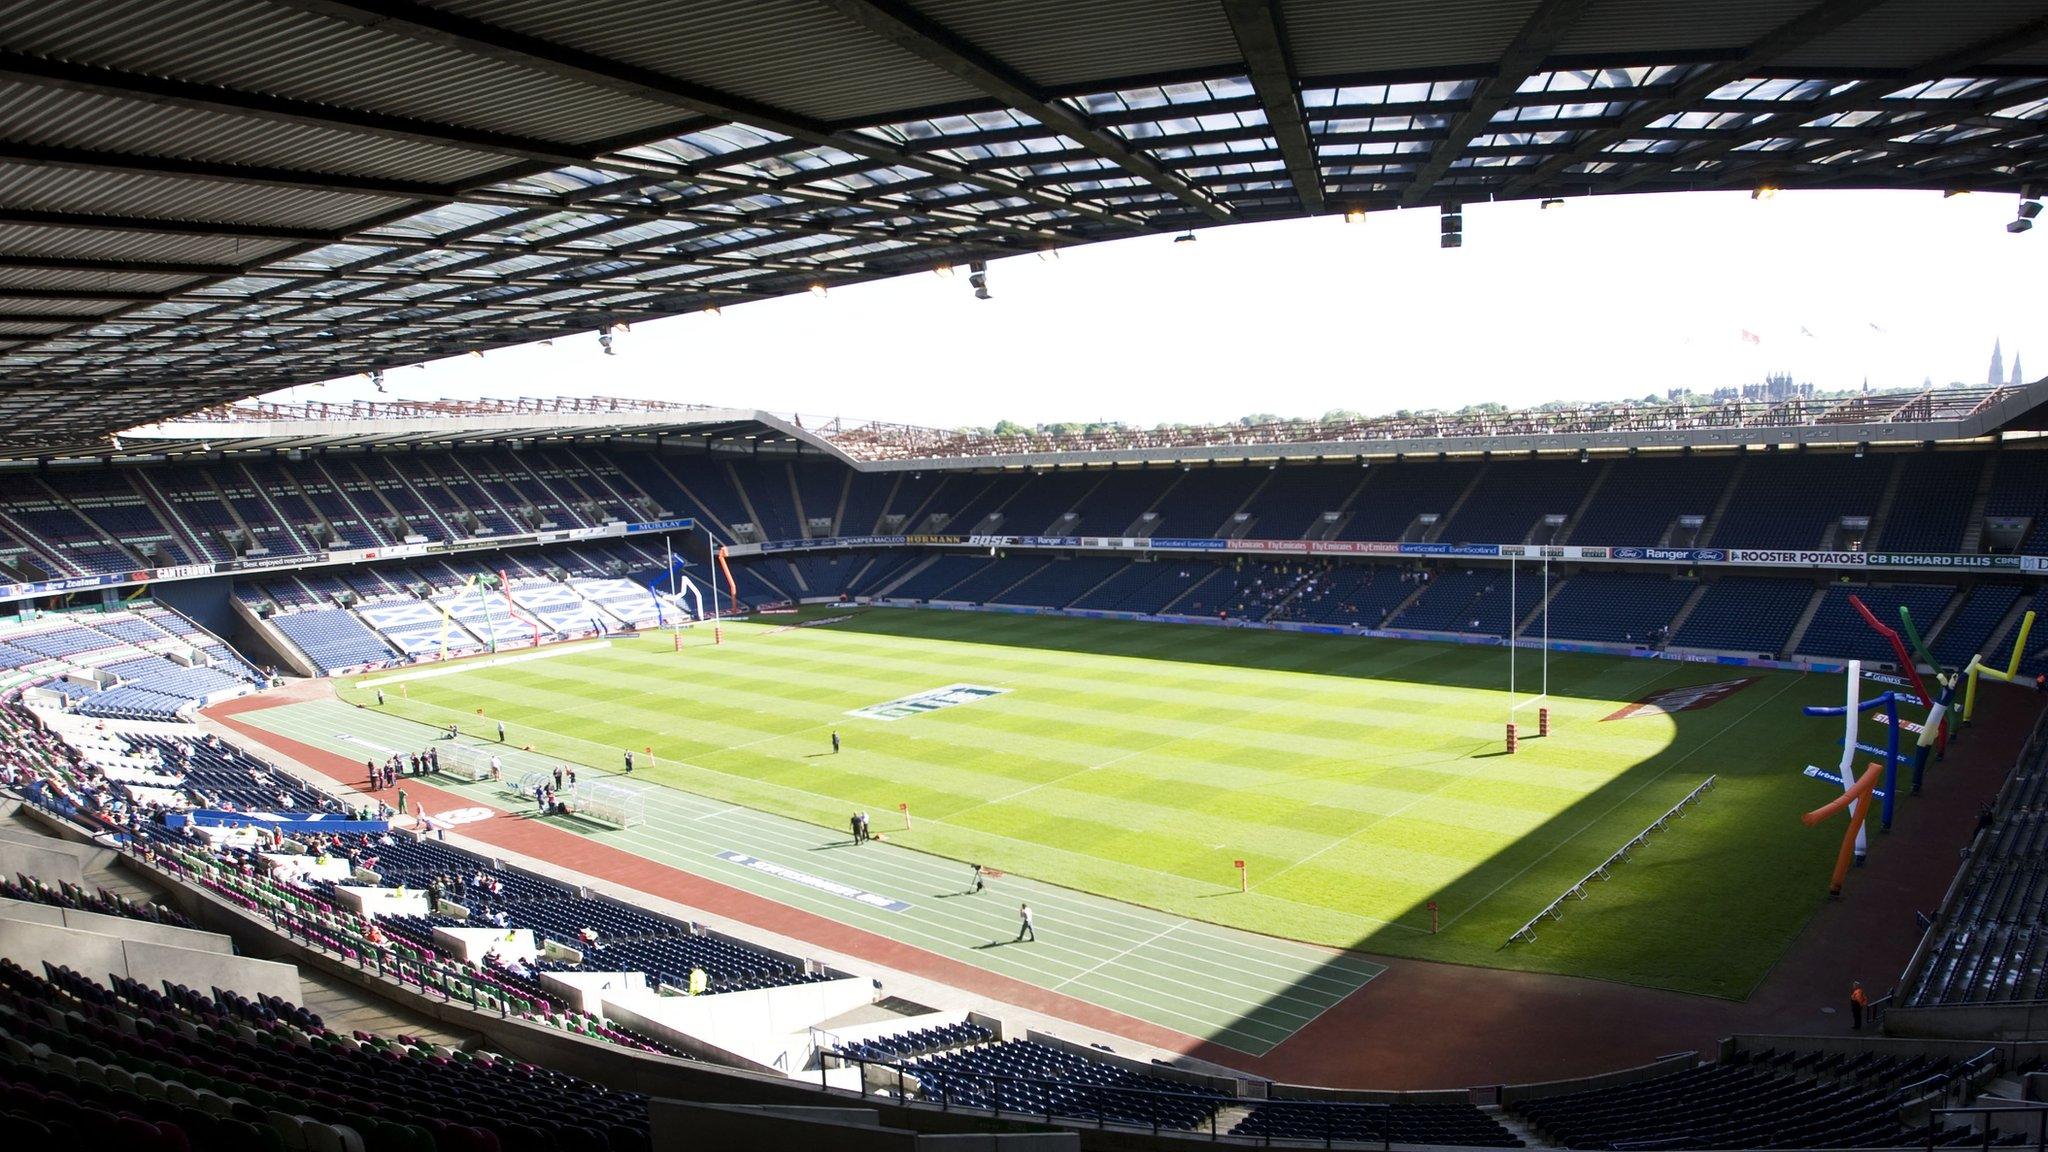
<point>1869,96</point>
<point>477,37</point>
<point>1815,22</point>
<point>944,49</point>
<point>279,109</point>
<point>1524,55</point>
<point>1262,41</point>
<point>115,267</point>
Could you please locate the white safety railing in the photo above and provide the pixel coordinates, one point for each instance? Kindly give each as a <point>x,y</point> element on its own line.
<point>1555,908</point>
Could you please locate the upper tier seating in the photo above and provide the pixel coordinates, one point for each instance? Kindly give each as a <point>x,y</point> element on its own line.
<point>1792,501</point>
<point>1642,498</point>
<point>1929,511</point>
<point>1512,499</point>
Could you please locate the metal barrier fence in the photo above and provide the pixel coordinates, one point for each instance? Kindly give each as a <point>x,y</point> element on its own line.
<point>984,1091</point>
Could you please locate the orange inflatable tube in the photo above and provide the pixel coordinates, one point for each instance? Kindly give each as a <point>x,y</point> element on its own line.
<point>732,590</point>
<point>1859,797</point>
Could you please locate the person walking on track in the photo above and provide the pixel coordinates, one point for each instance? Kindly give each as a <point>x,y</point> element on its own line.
<point>1025,930</point>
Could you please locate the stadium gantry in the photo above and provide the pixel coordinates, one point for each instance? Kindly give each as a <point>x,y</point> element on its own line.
<point>208,201</point>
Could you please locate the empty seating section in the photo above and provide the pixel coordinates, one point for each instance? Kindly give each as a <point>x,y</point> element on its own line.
<point>1465,600</point>
<point>1396,494</point>
<point>1058,584</point>
<point>1205,499</point>
<point>1767,1099</point>
<point>2034,661</point>
<point>1930,510</point>
<point>1027,1076</point>
<point>1294,501</point>
<point>917,1042</point>
<point>767,490</point>
<point>1990,944</point>
<point>821,488</point>
<point>64,535</point>
<point>942,573</point>
<point>1616,607</point>
<point>867,495</point>
<point>149,664</point>
<point>1968,633</point>
<point>1116,506</point>
<point>1838,630</point>
<point>886,567</point>
<point>1147,586</point>
<point>827,573</point>
<point>1401,1121</point>
<point>1039,506</point>
<point>1745,614</point>
<point>123,1065</point>
<point>986,584</point>
<point>1794,501</point>
<point>1362,596</point>
<point>2019,489</point>
<point>1512,499</point>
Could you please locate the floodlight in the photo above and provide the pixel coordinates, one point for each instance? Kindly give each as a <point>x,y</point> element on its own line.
<point>1354,215</point>
<point>817,289</point>
<point>1763,192</point>
<point>1185,237</point>
<point>943,271</point>
<point>1550,202</point>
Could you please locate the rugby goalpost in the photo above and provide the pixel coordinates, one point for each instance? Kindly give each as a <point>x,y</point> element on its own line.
<point>1541,700</point>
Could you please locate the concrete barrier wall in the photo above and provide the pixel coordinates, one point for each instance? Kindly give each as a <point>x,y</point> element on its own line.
<point>681,1123</point>
<point>117,926</point>
<point>1678,1062</point>
<point>46,864</point>
<point>98,956</point>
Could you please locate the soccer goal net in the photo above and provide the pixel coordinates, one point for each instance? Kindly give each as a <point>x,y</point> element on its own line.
<point>465,761</point>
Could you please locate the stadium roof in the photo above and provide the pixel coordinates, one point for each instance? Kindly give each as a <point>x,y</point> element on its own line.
<point>210,199</point>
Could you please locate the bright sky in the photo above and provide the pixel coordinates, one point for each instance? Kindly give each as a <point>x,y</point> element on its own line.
<point>1596,299</point>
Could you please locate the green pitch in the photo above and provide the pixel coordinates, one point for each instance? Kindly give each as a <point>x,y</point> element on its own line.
<point>1359,780</point>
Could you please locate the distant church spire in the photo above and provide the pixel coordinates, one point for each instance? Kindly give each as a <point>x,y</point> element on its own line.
<point>1997,364</point>
<point>2017,379</point>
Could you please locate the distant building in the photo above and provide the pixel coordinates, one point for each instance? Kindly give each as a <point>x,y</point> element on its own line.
<point>1997,376</point>
<point>1777,386</point>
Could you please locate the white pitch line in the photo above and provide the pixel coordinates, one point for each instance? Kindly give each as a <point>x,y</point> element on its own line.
<point>1126,952</point>
<point>1625,799</point>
